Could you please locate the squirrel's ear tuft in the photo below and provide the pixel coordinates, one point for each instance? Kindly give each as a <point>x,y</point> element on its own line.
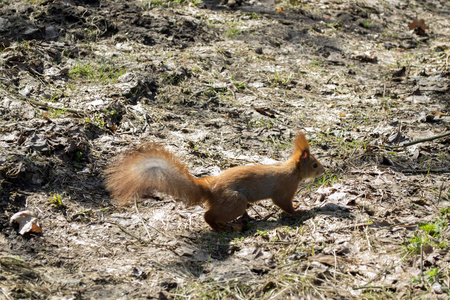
<point>300,143</point>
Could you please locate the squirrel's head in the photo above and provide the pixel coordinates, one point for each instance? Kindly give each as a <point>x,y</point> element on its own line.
<point>307,165</point>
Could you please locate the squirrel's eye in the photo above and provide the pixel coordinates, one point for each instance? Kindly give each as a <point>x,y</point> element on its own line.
<point>315,165</point>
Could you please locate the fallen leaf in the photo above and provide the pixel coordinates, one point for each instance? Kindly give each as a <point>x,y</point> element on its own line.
<point>266,111</point>
<point>418,26</point>
<point>111,126</point>
<point>438,113</point>
<point>420,201</point>
<point>399,73</point>
<point>416,23</point>
<point>270,285</point>
<point>330,260</point>
<point>417,92</point>
<point>437,288</point>
<point>440,48</point>
<point>27,222</point>
<point>4,44</point>
<point>428,249</point>
<point>365,58</point>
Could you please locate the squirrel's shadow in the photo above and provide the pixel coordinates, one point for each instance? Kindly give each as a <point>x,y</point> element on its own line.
<point>198,250</point>
<point>219,244</point>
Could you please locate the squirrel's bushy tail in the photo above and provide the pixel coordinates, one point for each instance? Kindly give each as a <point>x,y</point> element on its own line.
<point>152,168</point>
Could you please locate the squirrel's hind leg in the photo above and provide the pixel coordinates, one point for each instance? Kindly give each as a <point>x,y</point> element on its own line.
<point>218,215</point>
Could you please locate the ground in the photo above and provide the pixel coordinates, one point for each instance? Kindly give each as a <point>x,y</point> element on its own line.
<point>223,84</point>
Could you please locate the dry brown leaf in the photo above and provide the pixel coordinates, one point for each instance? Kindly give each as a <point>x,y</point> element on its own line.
<point>416,23</point>
<point>440,48</point>
<point>438,113</point>
<point>266,111</point>
<point>27,222</point>
<point>399,73</point>
<point>269,286</point>
<point>330,260</point>
<point>365,58</point>
<point>418,26</point>
<point>428,249</point>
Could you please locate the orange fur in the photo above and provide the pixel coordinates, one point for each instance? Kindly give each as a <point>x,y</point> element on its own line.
<point>227,195</point>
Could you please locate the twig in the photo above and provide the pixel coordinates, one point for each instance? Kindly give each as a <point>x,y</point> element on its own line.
<point>335,264</point>
<point>280,292</point>
<point>238,293</point>
<point>145,225</point>
<point>49,105</point>
<point>443,170</point>
<point>399,132</point>
<point>142,220</point>
<point>329,79</point>
<point>368,241</point>
<point>317,291</point>
<point>421,261</point>
<point>251,206</point>
<point>446,62</point>
<point>171,270</point>
<point>198,93</point>
<point>353,226</point>
<point>132,235</point>
<point>440,191</point>
<point>422,140</point>
<point>5,294</point>
<point>366,287</point>
<point>260,243</point>
<point>142,241</point>
<point>41,104</point>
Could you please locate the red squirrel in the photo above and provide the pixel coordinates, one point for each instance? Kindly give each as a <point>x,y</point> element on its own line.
<point>225,196</point>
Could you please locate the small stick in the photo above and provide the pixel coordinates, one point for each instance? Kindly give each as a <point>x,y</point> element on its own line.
<point>366,287</point>
<point>317,291</point>
<point>368,241</point>
<point>16,94</point>
<point>138,238</point>
<point>421,261</point>
<point>399,132</point>
<point>142,220</point>
<point>198,93</point>
<point>425,171</point>
<point>5,294</point>
<point>49,105</point>
<point>132,235</point>
<point>353,226</point>
<point>329,79</point>
<point>335,264</point>
<point>145,225</point>
<point>251,206</point>
<point>422,140</point>
<point>440,191</point>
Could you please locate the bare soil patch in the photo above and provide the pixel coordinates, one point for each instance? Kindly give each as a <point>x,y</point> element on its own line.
<point>225,84</point>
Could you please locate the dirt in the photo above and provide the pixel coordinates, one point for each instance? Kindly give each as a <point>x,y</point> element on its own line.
<point>225,84</point>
